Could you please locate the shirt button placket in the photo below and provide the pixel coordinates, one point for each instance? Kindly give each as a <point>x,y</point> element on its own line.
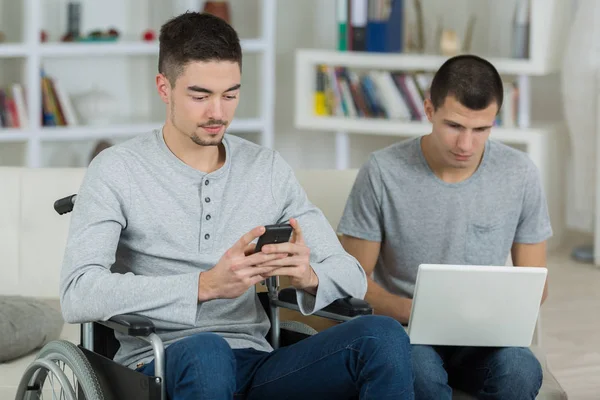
<point>207,223</point>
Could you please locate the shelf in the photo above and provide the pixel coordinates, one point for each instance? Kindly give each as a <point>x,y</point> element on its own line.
<point>126,48</point>
<point>87,132</point>
<point>384,127</point>
<point>410,62</point>
<point>13,135</point>
<point>8,50</point>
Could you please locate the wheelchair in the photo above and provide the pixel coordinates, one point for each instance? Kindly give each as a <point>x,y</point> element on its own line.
<point>95,376</point>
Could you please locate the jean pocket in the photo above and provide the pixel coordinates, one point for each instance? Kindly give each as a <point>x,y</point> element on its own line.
<point>485,244</point>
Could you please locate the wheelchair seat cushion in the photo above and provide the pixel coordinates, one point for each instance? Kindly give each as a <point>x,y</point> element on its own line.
<point>26,324</point>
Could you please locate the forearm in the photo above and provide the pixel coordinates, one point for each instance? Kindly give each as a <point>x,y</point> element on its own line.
<point>95,294</point>
<point>386,303</point>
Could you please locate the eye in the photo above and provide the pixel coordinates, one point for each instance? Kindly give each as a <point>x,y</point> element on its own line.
<point>198,98</point>
<point>231,97</point>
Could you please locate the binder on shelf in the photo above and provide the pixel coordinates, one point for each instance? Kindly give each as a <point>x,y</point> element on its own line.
<point>370,25</point>
<point>358,21</point>
<point>342,24</point>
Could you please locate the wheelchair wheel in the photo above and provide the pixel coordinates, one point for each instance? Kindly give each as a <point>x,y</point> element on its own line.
<point>60,371</point>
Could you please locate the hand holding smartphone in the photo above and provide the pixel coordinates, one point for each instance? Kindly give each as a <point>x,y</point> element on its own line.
<point>279,233</point>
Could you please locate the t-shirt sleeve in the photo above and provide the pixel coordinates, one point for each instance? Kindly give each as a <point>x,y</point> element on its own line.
<point>362,216</point>
<point>534,222</point>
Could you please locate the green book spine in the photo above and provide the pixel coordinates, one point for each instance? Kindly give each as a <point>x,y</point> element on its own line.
<point>342,35</point>
<point>342,23</point>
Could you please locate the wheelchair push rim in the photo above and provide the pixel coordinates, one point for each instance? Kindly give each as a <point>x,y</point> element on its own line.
<point>50,367</point>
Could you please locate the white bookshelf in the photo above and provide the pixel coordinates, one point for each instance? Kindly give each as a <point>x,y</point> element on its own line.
<point>542,142</point>
<point>33,53</point>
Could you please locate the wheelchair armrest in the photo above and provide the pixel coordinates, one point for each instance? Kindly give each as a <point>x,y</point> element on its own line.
<point>348,307</point>
<point>129,324</point>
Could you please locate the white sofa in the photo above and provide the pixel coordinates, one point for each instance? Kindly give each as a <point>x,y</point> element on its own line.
<point>33,237</point>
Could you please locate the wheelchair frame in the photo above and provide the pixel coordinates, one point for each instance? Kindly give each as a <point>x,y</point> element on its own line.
<point>110,373</point>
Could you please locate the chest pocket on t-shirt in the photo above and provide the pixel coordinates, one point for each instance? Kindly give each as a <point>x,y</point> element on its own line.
<point>485,244</point>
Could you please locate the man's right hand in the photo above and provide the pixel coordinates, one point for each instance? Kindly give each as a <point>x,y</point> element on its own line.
<point>236,271</point>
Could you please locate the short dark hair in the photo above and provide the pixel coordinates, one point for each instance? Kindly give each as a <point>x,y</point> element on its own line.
<point>195,36</point>
<point>473,81</point>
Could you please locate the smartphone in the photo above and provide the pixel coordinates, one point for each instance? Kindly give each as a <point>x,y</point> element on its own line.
<point>279,233</point>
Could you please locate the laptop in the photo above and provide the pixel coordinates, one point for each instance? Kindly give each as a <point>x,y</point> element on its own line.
<point>466,305</point>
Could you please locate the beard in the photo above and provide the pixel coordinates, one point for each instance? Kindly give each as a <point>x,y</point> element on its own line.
<point>194,136</point>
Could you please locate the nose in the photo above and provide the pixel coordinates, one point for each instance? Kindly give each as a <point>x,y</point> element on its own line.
<point>215,110</point>
<point>464,142</point>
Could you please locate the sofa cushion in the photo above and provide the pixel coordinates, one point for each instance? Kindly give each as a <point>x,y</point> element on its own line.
<point>26,324</point>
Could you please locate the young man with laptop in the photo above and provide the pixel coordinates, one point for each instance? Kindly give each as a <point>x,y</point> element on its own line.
<point>456,199</point>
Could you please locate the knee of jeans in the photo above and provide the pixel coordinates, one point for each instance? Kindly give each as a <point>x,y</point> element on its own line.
<point>427,365</point>
<point>379,326</point>
<point>204,350</point>
<point>391,333</point>
<point>519,367</point>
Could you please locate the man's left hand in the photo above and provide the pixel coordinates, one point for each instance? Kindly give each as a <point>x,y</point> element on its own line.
<point>297,264</point>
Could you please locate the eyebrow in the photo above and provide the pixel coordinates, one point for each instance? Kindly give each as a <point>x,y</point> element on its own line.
<point>447,121</point>
<point>199,89</point>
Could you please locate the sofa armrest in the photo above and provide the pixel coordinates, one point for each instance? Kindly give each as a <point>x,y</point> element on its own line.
<point>129,324</point>
<point>341,309</point>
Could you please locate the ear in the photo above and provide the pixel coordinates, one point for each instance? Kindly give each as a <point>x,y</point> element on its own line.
<point>429,109</point>
<point>164,88</point>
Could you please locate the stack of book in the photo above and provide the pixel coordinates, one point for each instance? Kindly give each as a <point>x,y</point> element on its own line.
<point>13,108</point>
<point>344,92</point>
<point>57,109</point>
<point>393,95</point>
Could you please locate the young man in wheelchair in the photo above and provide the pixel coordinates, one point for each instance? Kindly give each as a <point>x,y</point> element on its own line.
<point>164,227</point>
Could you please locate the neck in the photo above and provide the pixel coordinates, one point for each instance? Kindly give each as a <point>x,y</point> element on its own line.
<point>441,169</point>
<point>203,158</point>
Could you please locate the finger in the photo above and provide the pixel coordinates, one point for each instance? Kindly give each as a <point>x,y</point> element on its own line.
<point>250,249</point>
<point>290,248</point>
<point>298,236</point>
<point>283,271</point>
<point>245,240</point>
<point>257,259</point>
<point>289,262</point>
<point>253,271</point>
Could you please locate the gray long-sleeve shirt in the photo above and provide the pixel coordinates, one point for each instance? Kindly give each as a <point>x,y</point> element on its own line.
<point>145,225</point>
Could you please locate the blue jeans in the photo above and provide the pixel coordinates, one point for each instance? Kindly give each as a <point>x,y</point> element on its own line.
<point>367,358</point>
<point>485,372</point>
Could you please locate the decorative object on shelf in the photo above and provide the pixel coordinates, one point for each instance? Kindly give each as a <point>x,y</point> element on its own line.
<point>101,145</point>
<point>449,43</point>
<point>43,36</point>
<point>416,35</point>
<point>2,37</point>
<point>219,8</point>
<point>73,19</point>
<point>521,29</point>
<point>579,99</point>
<point>96,107</point>
<point>110,35</point>
<point>149,35</point>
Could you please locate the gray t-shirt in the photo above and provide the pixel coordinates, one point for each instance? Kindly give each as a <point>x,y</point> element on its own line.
<point>418,218</point>
<point>145,226</point>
